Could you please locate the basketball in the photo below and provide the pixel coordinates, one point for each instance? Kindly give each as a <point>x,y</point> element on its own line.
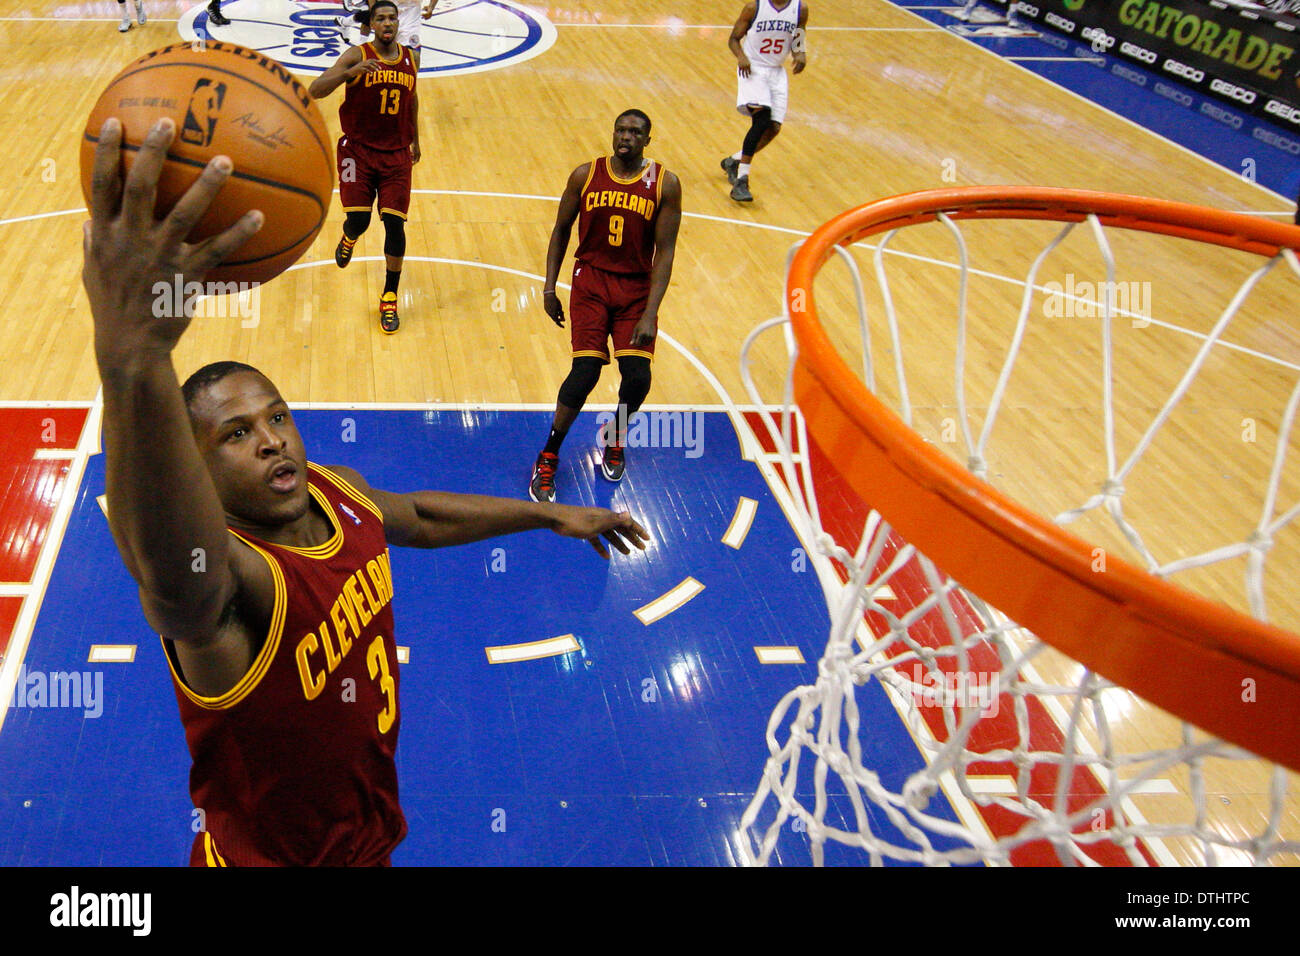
<point>226,99</point>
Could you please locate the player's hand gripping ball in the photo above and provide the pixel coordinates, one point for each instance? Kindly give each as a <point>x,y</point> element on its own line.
<point>226,99</point>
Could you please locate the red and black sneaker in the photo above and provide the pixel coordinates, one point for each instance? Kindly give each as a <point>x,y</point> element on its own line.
<point>542,485</point>
<point>611,463</point>
<point>343,252</point>
<point>388,321</point>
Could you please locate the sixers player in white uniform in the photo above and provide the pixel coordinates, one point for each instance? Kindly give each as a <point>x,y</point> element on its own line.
<point>765,34</point>
<point>409,15</point>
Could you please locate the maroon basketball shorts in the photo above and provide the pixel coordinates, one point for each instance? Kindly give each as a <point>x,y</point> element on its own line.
<point>365,173</point>
<point>604,306</point>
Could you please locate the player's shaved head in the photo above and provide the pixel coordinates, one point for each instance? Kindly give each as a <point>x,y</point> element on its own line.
<point>638,114</point>
<point>208,376</point>
<point>383,3</point>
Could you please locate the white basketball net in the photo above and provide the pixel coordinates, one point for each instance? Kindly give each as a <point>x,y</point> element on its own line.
<point>1034,768</point>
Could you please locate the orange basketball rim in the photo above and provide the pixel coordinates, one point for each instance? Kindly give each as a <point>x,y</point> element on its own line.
<point>1222,670</point>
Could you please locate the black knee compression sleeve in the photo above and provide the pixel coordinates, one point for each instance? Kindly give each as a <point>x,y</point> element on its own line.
<point>635,386</point>
<point>356,223</point>
<point>581,380</point>
<point>394,235</point>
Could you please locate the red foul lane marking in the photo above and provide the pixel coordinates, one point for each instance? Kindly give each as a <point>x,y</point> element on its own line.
<point>31,487</point>
<point>843,515</point>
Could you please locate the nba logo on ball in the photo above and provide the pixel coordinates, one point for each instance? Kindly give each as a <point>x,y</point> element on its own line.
<point>205,101</point>
<point>227,100</point>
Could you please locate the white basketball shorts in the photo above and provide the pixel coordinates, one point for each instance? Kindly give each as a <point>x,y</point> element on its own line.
<point>767,86</point>
<point>408,23</point>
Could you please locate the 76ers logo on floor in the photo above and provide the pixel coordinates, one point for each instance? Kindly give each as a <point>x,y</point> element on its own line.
<point>462,36</point>
<point>201,116</point>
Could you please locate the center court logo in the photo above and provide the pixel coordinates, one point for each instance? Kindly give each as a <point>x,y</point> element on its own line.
<point>462,36</point>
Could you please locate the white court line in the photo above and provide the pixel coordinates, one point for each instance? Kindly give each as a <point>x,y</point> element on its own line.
<point>53,454</point>
<point>111,654</point>
<point>9,403</point>
<point>1003,785</point>
<point>755,225</point>
<point>152,19</point>
<point>558,26</point>
<point>23,627</point>
<point>403,654</point>
<point>532,650</point>
<point>741,521</point>
<point>46,215</point>
<point>668,602</point>
<point>675,25</point>
<point>779,655</point>
<point>997,783</point>
<point>14,589</point>
<point>491,407</point>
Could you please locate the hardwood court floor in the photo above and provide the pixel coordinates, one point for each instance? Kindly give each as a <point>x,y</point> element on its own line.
<point>888,104</point>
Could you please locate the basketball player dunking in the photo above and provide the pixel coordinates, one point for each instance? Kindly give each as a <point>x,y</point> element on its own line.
<point>267,575</point>
<point>766,32</point>
<point>380,144</point>
<point>628,209</point>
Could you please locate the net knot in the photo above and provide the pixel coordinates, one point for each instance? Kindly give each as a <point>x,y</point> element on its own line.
<point>918,791</point>
<point>1260,541</point>
<point>1113,487</point>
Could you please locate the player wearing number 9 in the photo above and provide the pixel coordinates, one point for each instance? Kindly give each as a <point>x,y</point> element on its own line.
<point>628,208</point>
<point>267,576</point>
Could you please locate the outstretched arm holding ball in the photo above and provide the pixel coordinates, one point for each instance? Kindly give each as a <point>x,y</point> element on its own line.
<point>151,453</point>
<point>178,476</point>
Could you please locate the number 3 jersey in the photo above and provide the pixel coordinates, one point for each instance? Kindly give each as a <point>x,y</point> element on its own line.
<point>294,765</point>
<point>616,218</point>
<point>376,110</point>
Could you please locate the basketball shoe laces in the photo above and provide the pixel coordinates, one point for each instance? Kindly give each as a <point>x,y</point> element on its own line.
<point>544,472</point>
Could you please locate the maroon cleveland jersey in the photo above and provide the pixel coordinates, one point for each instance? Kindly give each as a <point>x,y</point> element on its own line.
<point>376,110</point>
<point>616,218</point>
<point>294,765</point>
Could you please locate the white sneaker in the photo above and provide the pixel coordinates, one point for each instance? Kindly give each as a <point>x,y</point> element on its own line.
<point>126,20</point>
<point>140,17</point>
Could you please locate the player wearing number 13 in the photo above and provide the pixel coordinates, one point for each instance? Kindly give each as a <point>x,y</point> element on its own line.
<point>380,143</point>
<point>765,34</point>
